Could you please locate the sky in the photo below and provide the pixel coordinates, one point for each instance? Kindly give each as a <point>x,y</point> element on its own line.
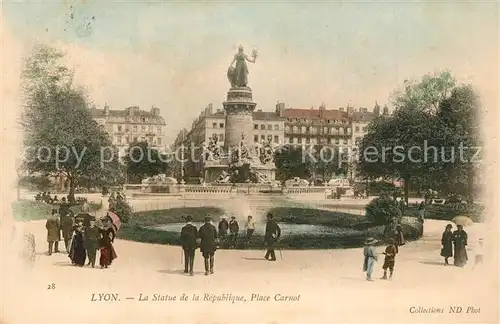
<point>174,55</point>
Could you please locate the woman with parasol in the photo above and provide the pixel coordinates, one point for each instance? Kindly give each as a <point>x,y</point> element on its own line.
<point>107,235</point>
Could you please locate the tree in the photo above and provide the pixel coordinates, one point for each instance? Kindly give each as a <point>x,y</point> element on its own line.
<point>60,136</point>
<point>327,161</point>
<point>142,161</point>
<point>291,162</point>
<point>458,124</point>
<point>426,94</point>
<point>393,147</point>
<point>382,210</point>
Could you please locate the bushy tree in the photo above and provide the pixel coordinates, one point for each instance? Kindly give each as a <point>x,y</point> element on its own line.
<point>382,210</point>
<point>60,135</point>
<point>291,162</point>
<point>122,209</point>
<point>142,161</point>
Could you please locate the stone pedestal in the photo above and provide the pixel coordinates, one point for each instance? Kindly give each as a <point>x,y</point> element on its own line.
<point>239,108</point>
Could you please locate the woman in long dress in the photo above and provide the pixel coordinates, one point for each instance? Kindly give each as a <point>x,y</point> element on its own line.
<point>77,252</point>
<point>460,242</point>
<point>447,243</point>
<point>240,72</point>
<point>108,253</point>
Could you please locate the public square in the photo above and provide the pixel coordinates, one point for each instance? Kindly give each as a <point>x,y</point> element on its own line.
<point>330,283</point>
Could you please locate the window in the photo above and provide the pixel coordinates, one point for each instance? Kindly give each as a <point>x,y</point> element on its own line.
<point>263,127</point>
<point>313,130</point>
<point>337,141</point>
<point>345,141</point>
<point>287,129</point>
<point>119,128</point>
<point>119,139</point>
<point>341,130</point>
<point>276,127</point>
<point>159,130</point>
<point>308,140</point>
<point>256,138</point>
<point>221,125</point>
<point>347,130</point>
<point>135,128</point>
<point>295,129</point>
<point>269,138</point>
<point>305,129</point>
<point>357,128</point>
<point>300,140</point>
<point>214,125</point>
<point>143,128</point>
<point>135,138</point>
<point>269,127</point>
<point>276,139</point>
<point>221,137</point>
<point>143,120</point>
<point>329,141</point>
<point>262,138</point>
<point>158,141</point>
<point>150,128</point>
<point>255,126</point>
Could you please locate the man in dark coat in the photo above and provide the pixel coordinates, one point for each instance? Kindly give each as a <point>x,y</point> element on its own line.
<point>208,244</point>
<point>53,231</point>
<point>92,236</point>
<point>67,223</point>
<point>223,227</point>
<point>189,233</point>
<point>234,228</point>
<point>273,233</point>
<point>64,207</point>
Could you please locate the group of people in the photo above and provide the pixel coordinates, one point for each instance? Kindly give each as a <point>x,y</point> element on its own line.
<point>81,240</point>
<point>230,239</point>
<point>395,239</point>
<point>46,197</point>
<point>454,245</point>
<point>207,239</point>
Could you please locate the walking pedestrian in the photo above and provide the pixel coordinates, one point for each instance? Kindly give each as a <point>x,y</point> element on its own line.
<point>273,233</point>
<point>250,228</point>
<point>234,228</point>
<point>53,231</point>
<point>370,257</point>
<point>447,244</point>
<point>208,244</point>
<point>189,233</point>
<point>390,258</point>
<point>460,242</point>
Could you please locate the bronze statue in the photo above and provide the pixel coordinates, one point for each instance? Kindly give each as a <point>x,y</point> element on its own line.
<point>237,75</point>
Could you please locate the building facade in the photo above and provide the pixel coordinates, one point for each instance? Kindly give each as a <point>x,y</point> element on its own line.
<point>132,125</point>
<point>342,127</point>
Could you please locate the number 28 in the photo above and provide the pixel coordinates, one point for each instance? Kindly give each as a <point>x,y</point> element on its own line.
<point>51,286</point>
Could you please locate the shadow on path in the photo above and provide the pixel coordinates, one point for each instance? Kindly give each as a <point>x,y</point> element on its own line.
<point>436,263</point>
<point>254,259</point>
<point>63,264</point>
<point>180,272</point>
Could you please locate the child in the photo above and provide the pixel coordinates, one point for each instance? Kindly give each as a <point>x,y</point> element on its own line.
<point>390,259</point>
<point>479,251</point>
<point>370,258</point>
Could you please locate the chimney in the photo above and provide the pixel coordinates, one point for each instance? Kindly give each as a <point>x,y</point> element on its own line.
<point>350,110</point>
<point>376,109</point>
<point>210,109</point>
<point>341,109</point>
<point>155,111</point>
<point>106,109</point>
<point>386,110</point>
<point>365,110</point>
<point>280,109</point>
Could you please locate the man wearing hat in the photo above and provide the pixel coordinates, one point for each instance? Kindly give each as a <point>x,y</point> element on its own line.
<point>91,238</point>
<point>273,233</point>
<point>370,258</point>
<point>223,227</point>
<point>234,228</point>
<point>208,244</point>
<point>189,233</point>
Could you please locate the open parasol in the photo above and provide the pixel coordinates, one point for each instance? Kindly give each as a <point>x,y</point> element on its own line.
<point>114,219</point>
<point>462,220</point>
<point>84,218</point>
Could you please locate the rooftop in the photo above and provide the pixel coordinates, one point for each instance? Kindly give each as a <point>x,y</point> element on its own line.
<point>133,111</point>
<point>314,114</point>
<point>257,115</point>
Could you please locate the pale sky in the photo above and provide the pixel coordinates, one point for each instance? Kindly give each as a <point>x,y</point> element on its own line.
<point>175,55</point>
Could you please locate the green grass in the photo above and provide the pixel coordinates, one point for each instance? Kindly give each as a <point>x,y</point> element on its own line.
<point>137,229</point>
<point>28,210</point>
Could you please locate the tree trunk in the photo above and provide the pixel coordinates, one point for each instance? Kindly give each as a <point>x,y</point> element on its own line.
<point>71,195</point>
<point>470,185</point>
<point>406,183</point>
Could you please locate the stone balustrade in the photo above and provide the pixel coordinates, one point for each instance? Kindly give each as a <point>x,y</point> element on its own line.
<point>207,189</point>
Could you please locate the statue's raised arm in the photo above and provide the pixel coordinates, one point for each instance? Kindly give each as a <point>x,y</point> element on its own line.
<point>238,75</point>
